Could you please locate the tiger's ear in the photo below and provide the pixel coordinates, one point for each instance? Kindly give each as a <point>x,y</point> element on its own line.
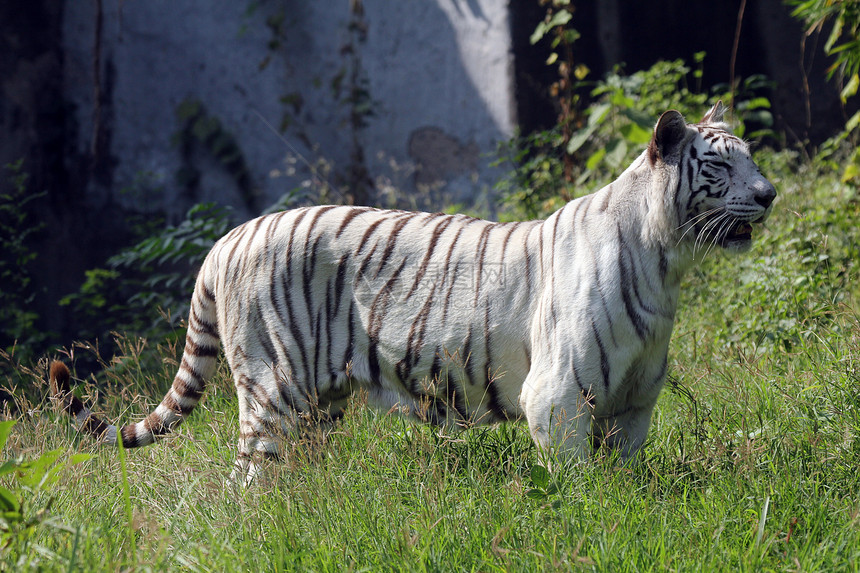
<point>716,113</point>
<point>668,136</point>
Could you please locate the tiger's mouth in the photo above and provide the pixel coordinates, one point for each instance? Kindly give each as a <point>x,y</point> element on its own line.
<point>741,231</point>
<point>739,235</point>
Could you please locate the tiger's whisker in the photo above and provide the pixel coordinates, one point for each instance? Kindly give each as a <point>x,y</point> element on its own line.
<point>692,222</point>
<point>707,230</point>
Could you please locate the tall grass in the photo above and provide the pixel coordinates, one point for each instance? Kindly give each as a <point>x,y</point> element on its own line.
<point>752,463</point>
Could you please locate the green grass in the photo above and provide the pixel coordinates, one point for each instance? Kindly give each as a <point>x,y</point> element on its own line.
<point>752,464</point>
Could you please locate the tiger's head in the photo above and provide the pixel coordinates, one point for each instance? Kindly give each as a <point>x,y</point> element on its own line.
<point>721,193</point>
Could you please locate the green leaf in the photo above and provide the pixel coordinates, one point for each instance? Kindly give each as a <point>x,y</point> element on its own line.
<point>852,170</point>
<point>540,31</point>
<point>852,123</point>
<point>535,494</point>
<point>834,35</point>
<point>570,35</point>
<point>640,118</point>
<point>761,116</point>
<point>620,99</point>
<point>616,151</point>
<point>8,501</point>
<point>850,88</point>
<point>36,470</point>
<point>560,18</point>
<point>5,430</point>
<point>635,134</point>
<point>8,467</point>
<point>78,458</point>
<point>755,103</point>
<point>595,159</point>
<point>579,138</point>
<point>598,113</point>
<point>540,476</point>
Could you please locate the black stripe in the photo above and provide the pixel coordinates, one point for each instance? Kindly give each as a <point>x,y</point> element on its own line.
<point>340,279</point>
<point>663,265</point>
<point>636,273</point>
<point>171,404</point>
<point>309,262</point>
<point>362,268</point>
<point>350,336</point>
<point>467,357</point>
<point>688,166</point>
<point>392,241</point>
<point>376,320</point>
<point>440,228</point>
<point>351,213</point>
<point>582,389</point>
<point>452,278</point>
<point>415,340</point>
<point>195,349</point>
<point>198,379</point>
<point>510,227</point>
<point>528,260</point>
<point>129,436</point>
<point>317,347</point>
<point>605,305</point>
<point>296,333</point>
<point>436,367</point>
<point>369,231</point>
<point>540,251</point>
<point>233,264</point>
<point>329,304</point>
<point>586,202</point>
<point>607,195</point>
<point>255,317</point>
<point>308,271</point>
<point>447,275</point>
<point>276,333</point>
<point>626,285</point>
<point>206,293</point>
<point>287,282</point>
<point>494,399</point>
<point>604,360</point>
<point>480,255</point>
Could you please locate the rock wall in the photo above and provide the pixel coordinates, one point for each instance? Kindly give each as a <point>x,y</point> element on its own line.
<point>367,97</point>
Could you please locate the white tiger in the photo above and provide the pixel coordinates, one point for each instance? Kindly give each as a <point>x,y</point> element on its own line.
<point>461,321</point>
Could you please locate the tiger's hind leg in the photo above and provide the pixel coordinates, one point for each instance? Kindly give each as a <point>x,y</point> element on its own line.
<point>274,415</point>
<point>265,422</point>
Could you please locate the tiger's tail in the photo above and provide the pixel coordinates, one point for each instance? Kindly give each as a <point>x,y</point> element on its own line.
<point>199,361</point>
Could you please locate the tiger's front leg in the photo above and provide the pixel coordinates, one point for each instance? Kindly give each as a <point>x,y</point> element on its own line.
<point>625,431</point>
<point>559,419</point>
<point>623,422</point>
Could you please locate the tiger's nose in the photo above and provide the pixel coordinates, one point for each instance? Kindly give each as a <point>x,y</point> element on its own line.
<point>765,193</point>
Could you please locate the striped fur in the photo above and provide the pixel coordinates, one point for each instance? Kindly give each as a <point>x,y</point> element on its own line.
<point>459,321</point>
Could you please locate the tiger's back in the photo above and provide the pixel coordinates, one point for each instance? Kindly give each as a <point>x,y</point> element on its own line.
<point>410,306</point>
